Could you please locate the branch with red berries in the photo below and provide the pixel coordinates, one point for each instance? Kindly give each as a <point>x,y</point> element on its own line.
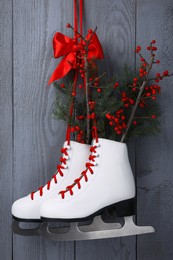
<point>124,106</point>
<point>140,101</point>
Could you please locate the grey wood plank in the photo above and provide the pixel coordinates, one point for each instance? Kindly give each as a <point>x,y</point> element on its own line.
<point>154,155</point>
<point>6,176</point>
<point>116,31</point>
<point>37,137</point>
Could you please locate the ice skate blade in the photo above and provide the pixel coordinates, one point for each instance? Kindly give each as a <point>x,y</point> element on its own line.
<point>97,224</point>
<point>76,232</point>
<point>25,232</point>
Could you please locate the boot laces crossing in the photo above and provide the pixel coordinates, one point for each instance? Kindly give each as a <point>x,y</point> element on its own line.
<point>84,174</point>
<point>60,168</point>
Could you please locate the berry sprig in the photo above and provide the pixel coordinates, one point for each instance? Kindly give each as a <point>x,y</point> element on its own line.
<point>144,90</point>
<point>138,97</point>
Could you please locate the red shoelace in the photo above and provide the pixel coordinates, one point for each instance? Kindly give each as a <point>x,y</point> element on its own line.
<point>89,166</point>
<point>60,168</point>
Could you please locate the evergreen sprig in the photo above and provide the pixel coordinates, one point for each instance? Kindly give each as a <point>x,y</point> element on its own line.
<point>124,106</point>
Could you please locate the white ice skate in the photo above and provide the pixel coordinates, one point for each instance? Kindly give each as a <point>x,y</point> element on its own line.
<point>27,209</point>
<point>106,183</point>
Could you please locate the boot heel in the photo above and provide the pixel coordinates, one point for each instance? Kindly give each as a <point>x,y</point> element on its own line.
<point>125,208</point>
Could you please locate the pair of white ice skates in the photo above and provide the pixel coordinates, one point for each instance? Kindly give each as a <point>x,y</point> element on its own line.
<point>89,180</point>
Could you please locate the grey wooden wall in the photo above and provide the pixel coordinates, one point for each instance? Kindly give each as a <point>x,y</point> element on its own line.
<point>30,139</point>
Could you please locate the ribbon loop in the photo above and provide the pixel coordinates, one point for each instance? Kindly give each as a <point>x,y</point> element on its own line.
<point>66,46</point>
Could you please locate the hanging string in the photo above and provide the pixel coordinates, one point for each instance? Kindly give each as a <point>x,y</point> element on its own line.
<point>68,133</point>
<point>81,17</point>
<point>75,17</point>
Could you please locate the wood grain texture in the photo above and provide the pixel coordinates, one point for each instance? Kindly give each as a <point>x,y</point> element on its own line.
<point>154,155</point>
<point>6,152</point>
<point>116,31</point>
<point>30,139</point>
<point>37,137</point>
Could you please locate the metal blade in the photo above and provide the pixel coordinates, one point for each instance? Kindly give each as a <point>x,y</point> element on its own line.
<point>98,224</point>
<point>76,232</point>
<point>24,232</point>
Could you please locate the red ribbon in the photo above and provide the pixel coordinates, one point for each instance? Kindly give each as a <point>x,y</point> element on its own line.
<point>65,46</point>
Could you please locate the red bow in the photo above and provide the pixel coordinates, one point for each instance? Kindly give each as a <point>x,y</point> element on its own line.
<point>65,46</point>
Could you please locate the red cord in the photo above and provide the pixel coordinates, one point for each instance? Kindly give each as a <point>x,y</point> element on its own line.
<point>89,166</point>
<point>54,178</point>
<point>81,16</point>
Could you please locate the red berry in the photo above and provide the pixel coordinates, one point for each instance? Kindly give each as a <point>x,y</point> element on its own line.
<point>108,116</point>
<point>138,49</point>
<point>93,115</point>
<point>96,84</point>
<point>154,48</point>
<point>153,116</point>
<point>131,101</point>
<point>134,89</point>
<point>111,123</point>
<point>141,105</point>
<point>148,48</point>
<point>123,94</point>
<point>153,97</point>
<point>156,80</point>
<point>99,90</point>
<point>68,25</point>
<point>73,94</point>
<point>165,73</point>
<point>62,85</point>
<point>116,84</point>
<point>158,75</point>
<point>75,47</point>
<point>157,61</point>
<point>80,86</point>
<point>77,128</point>
<point>134,123</point>
<point>153,41</point>
<point>116,120</point>
<point>135,79</point>
<point>153,91</point>
<point>90,31</point>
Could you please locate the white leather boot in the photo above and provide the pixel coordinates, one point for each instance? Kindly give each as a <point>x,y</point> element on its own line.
<point>71,164</point>
<point>107,182</point>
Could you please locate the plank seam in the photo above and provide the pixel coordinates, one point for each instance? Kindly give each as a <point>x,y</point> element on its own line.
<point>12,101</point>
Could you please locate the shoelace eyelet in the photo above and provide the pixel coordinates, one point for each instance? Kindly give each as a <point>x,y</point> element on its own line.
<point>97,144</point>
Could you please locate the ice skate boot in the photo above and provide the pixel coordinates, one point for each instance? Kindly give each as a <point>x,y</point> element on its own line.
<point>106,183</point>
<point>27,209</point>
